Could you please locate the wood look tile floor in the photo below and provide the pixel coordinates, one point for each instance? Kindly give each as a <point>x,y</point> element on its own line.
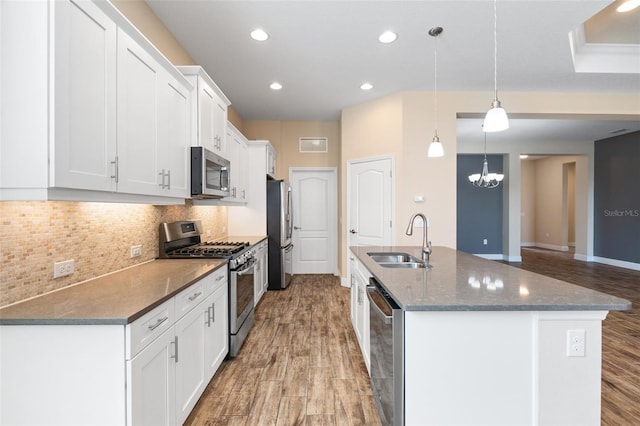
<point>301,364</point>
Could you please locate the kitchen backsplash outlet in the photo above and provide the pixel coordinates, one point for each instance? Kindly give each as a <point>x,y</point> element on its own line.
<point>98,236</point>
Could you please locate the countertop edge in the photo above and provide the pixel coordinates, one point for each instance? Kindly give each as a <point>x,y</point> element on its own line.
<point>360,253</point>
<point>125,320</point>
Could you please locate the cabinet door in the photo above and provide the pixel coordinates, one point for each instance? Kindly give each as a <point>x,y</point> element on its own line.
<point>174,137</point>
<point>233,154</point>
<point>138,97</point>
<point>243,164</point>
<point>206,109</point>
<point>151,383</point>
<point>190,380</point>
<point>84,142</point>
<point>220,124</point>
<point>271,161</point>
<point>216,337</point>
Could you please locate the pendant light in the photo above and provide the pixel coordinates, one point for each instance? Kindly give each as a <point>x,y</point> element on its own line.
<point>486,179</point>
<point>496,119</point>
<point>435,148</point>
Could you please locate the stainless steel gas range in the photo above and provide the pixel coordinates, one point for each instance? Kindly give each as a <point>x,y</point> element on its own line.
<point>182,240</point>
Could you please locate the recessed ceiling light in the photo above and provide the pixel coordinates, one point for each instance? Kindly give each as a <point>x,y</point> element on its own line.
<point>388,37</point>
<point>366,86</point>
<point>275,86</point>
<point>628,6</point>
<point>259,35</point>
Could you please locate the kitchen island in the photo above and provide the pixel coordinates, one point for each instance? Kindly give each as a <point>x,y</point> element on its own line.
<point>487,343</point>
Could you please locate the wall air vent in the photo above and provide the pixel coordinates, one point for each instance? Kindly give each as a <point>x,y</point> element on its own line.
<point>313,144</point>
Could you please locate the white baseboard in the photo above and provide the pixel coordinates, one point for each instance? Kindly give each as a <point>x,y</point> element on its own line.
<point>527,244</point>
<point>618,263</point>
<point>583,257</point>
<point>551,247</point>
<point>344,282</point>
<point>512,258</point>
<point>490,256</point>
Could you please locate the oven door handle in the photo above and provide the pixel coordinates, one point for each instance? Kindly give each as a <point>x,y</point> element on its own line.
<point>246,269</point>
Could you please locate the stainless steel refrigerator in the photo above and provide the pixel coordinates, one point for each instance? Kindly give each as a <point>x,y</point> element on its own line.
<point>279,227</point>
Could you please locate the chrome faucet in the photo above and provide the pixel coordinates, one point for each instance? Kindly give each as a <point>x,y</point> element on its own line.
<point>426,245</point>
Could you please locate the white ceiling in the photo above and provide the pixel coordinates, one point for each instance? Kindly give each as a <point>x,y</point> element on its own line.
<point>322,51</point>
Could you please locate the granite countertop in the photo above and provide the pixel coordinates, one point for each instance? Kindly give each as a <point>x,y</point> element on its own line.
<point>459,281</point>
<point>116,298</point>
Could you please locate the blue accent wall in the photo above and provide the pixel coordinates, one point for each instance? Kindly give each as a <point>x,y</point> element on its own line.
<point>479,210</point>
<point>617,198</point>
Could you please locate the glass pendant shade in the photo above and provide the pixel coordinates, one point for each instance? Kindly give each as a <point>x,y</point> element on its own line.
<point>435,148</point>
<point>496,119</point>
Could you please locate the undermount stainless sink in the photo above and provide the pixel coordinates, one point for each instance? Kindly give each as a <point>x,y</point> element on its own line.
<point>397,260</point>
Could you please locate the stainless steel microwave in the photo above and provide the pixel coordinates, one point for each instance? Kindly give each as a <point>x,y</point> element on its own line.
<point>209,174</point>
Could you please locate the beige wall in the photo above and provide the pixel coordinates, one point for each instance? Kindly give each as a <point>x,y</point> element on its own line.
<point>284,136</point>
<point>549,198</point>
<point>402,125</point>
<point>544,202</point>
<point>143,18</point>
<point>528,202</point>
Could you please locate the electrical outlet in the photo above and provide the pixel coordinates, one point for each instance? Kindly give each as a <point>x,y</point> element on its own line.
<point>575,342</point>
<point>136,251</point>
<point>484,241</point>
<point>62,269</point>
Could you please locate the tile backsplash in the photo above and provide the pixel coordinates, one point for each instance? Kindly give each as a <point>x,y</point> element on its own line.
<point>97,236</point>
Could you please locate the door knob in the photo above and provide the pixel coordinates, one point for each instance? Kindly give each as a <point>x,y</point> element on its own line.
<point>353,231</point>
<point>296,228</point>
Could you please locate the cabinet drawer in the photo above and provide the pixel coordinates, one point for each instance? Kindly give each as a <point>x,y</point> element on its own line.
<point>216,280</point>
<point>189,298</point>
<point>147,328</point>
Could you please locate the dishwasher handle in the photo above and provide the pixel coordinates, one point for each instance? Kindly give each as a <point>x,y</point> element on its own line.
<point>379,304</point>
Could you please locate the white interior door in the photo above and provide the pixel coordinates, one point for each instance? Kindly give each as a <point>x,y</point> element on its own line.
<point>369,202</point>
<point>315,231</point>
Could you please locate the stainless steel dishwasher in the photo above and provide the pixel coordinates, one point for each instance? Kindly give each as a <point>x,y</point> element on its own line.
<point>387,354</point>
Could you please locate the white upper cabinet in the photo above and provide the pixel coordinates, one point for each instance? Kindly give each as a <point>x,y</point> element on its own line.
<point>209,111</point>
<point>84,97</point>
<point>90,112</point>
<point>238,156</point>
<point>271,161</point>
<point>153,132</point>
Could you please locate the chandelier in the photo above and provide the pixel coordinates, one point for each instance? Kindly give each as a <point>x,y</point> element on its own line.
<point>486,179</point>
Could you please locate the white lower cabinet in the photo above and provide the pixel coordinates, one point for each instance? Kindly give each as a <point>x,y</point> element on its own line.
<point>261,276</point>
<point>360,307</point>
<point>216,332</point>
<point>152,379</point>
<point>167,377</point>
<point>189,362</point>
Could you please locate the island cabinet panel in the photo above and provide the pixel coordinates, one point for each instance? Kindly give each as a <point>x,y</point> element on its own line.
<point>62,374</point>
<point>502,367</point>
